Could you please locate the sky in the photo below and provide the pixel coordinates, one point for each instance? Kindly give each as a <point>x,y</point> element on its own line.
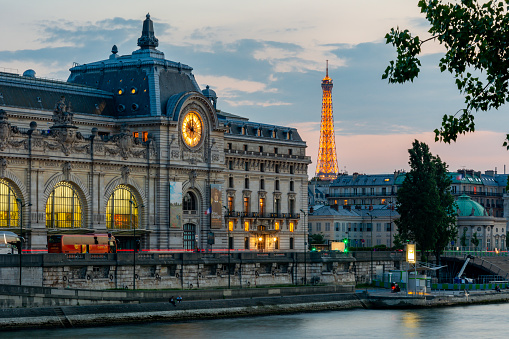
<point>266,59</point>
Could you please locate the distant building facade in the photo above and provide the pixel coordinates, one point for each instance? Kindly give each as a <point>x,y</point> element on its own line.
<point>480,198</point>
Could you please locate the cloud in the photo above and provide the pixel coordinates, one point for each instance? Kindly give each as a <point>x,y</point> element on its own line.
<point>256,103</point>
<point>231,87</point>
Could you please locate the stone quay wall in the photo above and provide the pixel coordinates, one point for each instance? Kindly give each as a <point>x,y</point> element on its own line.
<point>177,270</point>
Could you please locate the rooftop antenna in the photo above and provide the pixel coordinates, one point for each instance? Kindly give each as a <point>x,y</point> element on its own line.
<point>326,68</point>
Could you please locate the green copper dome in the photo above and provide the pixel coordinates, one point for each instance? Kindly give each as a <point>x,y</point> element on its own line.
<point>469,208</point>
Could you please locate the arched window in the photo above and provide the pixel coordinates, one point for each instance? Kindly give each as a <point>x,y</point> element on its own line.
<point>64,207</point>
<point>122,209</point>
<point>9,207</point>
<point>189,202</point>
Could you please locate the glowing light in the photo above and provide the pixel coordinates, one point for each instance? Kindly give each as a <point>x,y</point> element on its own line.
<point>327,163</point>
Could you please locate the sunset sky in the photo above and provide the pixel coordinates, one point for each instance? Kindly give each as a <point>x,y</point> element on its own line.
<point>265,60</point>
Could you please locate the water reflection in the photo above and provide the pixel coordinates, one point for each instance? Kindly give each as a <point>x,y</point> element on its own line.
<point>484,321</point>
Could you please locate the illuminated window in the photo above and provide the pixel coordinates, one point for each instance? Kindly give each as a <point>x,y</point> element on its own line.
<point>383,201</point>
<point>9,207</point>
<point>230,226</point>
<point>145,136</point>
<point>259,132</point>
<point>64,207</point>
<point>386,179</point>
<point>291,226</point>
<point>231,206</point>
<point>276,225</point>
<point>262,206</point>
<point>120,91</point>
<point>246,226</point>
<point>345,202</point>
<point>134,90</point>
<point>136,134</point>
<point>122,209</point>
<point>246,204</point>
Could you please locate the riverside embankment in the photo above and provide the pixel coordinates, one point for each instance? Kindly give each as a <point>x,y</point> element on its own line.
<point>225,304</point>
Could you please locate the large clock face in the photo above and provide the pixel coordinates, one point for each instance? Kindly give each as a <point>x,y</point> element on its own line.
<point>192,129</point>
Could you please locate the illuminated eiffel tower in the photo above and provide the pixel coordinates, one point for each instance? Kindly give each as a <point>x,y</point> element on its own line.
<point>327,165</point>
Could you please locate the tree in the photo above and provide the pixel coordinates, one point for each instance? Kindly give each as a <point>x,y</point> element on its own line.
<point>316,238</point>
<point>475,35</point>
<point>475,240</point>
<point>463,238</point>
<point>425,203</point>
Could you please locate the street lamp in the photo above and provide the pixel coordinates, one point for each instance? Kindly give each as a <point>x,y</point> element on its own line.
<point>21,205</point>
<point>228,242</point>
<point>372,248</point>
<point>305,244</point>
<point>133,204</point>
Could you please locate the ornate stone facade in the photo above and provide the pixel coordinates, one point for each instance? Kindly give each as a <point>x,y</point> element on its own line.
<point>110,161</point>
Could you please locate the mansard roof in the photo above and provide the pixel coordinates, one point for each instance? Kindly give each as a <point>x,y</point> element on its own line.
<point>38,93</point>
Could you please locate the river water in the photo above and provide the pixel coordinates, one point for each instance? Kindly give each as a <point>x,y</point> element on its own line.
<point>476,321</point>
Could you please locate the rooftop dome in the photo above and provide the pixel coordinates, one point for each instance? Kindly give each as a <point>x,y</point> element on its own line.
<point>469,208</point>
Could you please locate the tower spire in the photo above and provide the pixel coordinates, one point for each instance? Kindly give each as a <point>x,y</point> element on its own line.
<point>148,39</point>
<point>327,164</point>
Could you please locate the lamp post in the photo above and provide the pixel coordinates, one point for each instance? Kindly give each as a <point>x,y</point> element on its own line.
<point>305,244</point>
<point>372,249</point>
<point>133,204</point>
<point>228,242</point>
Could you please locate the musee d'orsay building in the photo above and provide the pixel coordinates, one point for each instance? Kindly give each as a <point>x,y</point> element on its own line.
<point>132,146</point>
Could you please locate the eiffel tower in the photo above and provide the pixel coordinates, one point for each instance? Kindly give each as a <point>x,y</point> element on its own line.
<point>327,165</point>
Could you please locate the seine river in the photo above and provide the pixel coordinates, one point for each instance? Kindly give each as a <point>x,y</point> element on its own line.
<point>483,321</point>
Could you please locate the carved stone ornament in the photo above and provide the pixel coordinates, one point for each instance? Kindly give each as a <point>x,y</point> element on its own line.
<point>126,144</point>
<point>192,177</point>
<point>175,154</point>
<point>262,195</point>
<point>246,193</point>
<point>63,129</point>
<point>3,166</point>
<point>125,171</point>
<point>62,115</point>
<point>6,133</point>
<point>66,170</point>
<point>277,195</point>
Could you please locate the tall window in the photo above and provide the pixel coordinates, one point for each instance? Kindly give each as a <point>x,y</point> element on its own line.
<point>262,206</point>
<point>277,206</point>
<point>291,227</point>
<point>246,183</point>
<point>63,208</point>
<point>291,186</point>
<point>262,167</point>
<point>231,206</point>
<point>262,184</point>
<point>9,207</point>
<point>122,209</point>
<point>277,185</point>
<point>189,202</point>
<point>291,207</point>
<point>230,182</point>
<point>246,204</point>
